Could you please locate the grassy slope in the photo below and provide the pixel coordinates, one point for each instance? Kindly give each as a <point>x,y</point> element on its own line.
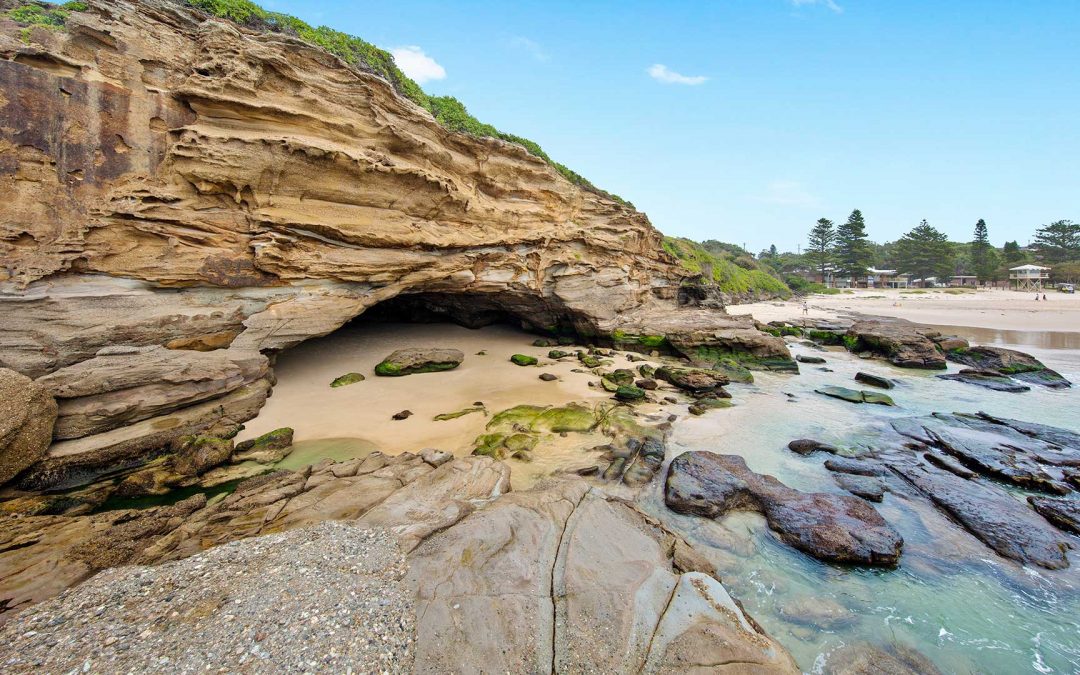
<point>732,278</point>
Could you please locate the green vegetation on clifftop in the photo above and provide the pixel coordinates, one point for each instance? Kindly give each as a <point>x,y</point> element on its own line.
<point>447,110</point>
<point>733,274</point>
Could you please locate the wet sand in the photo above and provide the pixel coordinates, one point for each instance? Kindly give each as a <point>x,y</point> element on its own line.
<point>992,309</point>
<point>304,400</point>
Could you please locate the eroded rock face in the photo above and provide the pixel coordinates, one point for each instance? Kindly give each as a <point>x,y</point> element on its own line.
<point>27,416</point>
<point>901,342</point>
<point>835,528</point>
<point>183,196</point>
<point>1009,363</point>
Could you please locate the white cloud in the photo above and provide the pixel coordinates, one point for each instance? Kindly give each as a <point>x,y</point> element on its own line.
<point>532,47</point>
<point>662,73</point>
<point>789,193</point>
<point>831,4</point>
<point>416,64</point>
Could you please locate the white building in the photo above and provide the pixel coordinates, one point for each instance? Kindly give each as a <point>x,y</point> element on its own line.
<point>1029,277</point>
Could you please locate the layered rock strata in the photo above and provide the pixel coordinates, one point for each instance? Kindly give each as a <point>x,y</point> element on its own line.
<point>184,198</point>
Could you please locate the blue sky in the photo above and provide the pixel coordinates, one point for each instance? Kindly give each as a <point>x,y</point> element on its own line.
<point>769,114</point>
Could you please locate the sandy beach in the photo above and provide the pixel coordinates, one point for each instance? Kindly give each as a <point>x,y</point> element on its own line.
<point>992,309</point>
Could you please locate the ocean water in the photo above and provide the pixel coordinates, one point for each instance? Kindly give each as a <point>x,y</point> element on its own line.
<point>951,598</point>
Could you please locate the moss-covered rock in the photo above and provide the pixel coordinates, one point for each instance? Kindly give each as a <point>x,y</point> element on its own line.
<point>347,379</point>
<point>413,361</point>
<point>558,354</point>
<point>734,371</point>
<point>444,417</point>
<point>524,360</point>
<point>193,455</point>
<point>588,360</point>
<point>630,394</point>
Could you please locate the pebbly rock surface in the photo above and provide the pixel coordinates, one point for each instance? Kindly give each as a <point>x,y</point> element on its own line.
<point>27,415</point>
<point>42,555</point>
<point>326,598</point>
<point>834,528</point>
<point>1009,363</point>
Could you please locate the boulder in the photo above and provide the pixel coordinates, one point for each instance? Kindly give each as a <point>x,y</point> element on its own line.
<point>692,380</point>
<point>988,379</point>
<point>521,360</point>
<point>863,658</point>
<point>817,613</point>
<point>27,415</point>
<point>416,360</point>
<point>803,358</point>
<point>993,516</point>
<point>269,448</point>
<point>548,377</point>
<point>855,467</point>
<point>870,488</point>
<point>347,379</point>
<point>629,394</point>
<point>806,446</point>
<point>1009,363</point>
<point>834,528</point>
<point>874,380</point>
<point>898,341</point>
<point>196,454</point>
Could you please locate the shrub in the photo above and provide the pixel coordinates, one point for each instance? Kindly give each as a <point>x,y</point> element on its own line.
<point>45,14</point>
<point>731,277</point>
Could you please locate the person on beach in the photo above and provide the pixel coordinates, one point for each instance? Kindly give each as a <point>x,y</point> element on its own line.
<point>1036,297</point>
<point>1044,297</point>
<point>805,309</point>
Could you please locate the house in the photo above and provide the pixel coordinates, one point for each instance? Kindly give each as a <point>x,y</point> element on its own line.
<point>1029,277</point>
<point>964,281</point>
<point>876,278</point>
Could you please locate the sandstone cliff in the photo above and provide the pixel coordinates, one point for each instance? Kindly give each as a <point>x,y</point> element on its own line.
<point>184,198</point>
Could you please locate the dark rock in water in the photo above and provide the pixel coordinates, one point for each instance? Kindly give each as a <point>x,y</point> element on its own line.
<point>993,515</point>
<point>524,360</point>
<point>874,380</point>
<point>863,658</point>
<point>1065,513</point>
<point>855,467</point>
<point>987,379</point>
<point>826,370</point>
<point>1010,363</point>
<point>820,613</point>
<point>1061,437</point>
<point>949,464</point>
<point>703,405</point>
<point>416,360</point>
<point>734,371</point>
<point>548,377</point>
<point>870,488</point>
<point>899,341</point>
<point>805,446</point>
<point>647,385</point>
<point>802,358</point>
<point>693,380</point>
<point>948,343</point>
<point>1073,478</point>
<point>403,415</point>
<point>856,396</point>
<point>1009,457</point>
<point>834,528</point>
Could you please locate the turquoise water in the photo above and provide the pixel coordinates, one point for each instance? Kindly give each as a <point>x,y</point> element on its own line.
<point>951,598</point>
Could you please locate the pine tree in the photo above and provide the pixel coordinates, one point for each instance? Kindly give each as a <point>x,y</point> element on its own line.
<point>853,253</point>
<point>772,251</point>
<point>925,252</point>
<point>982,253</point>
<point>820,249</point>
<point>1059,241</point>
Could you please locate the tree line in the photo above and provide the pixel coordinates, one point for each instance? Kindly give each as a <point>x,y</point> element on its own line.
<point>845,251</point>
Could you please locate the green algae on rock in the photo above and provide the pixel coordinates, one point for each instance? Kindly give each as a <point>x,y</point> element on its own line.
<point>415,360</point>
<point>524,360</point>
<point>856,396</point>
<point>269,448</point>
<point>346,379</point>
<point>444,417</point>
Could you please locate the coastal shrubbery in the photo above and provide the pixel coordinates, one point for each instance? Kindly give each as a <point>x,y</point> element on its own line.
<point>45,14</point>
<point>733,271</point>
<point>447,110</point>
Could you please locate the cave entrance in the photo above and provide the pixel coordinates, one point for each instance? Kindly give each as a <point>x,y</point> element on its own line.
<point>477,310</point>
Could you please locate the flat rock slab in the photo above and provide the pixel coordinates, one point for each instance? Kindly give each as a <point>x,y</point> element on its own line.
<point>1065,513</point>
<point>992,515</point>
<point>802,358</point>
<point>870,488</point>
<point>562,578</point>
<point>416,360</point>
<point>987,379</point>
<point>834,528</point>
<point>856,396</point>
<point>806,446</point>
